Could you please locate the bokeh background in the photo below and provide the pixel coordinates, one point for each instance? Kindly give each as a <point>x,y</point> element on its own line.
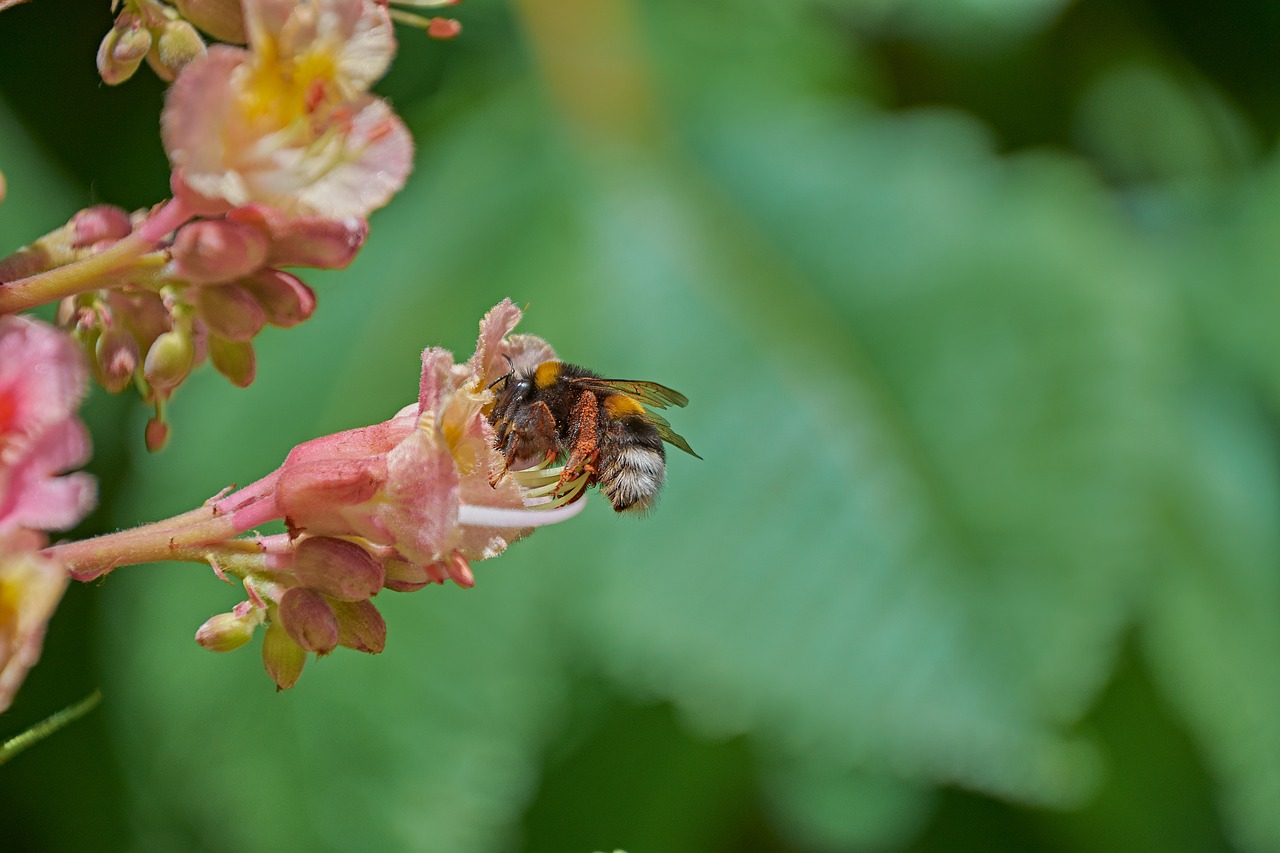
<point>976,304</point>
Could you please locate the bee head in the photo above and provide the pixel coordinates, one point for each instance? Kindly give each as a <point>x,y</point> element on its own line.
<point>505,378</point>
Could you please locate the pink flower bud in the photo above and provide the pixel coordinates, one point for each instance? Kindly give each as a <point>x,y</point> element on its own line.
<point>313,242</point>
<point>169,360</point>
<point>309,619</point>
<point>285,300</point>
<point>116,357</point>
<point>217,250</point>
<point>157,434</point>
<point>177,45</point>
<point>229,631</point>
<point>98,223</point>
<point>459,569</point>
<point>234,360</point>
<point>222,19</point>
<point>230,311</point>
<point>340,569</point>
<point>360,626</point>
<point>282,657</point>
<point>123,49</point>
<point>443,28</point>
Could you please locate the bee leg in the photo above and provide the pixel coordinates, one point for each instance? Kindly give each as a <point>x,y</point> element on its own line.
<point>527,436</point>
<point>584,442</point>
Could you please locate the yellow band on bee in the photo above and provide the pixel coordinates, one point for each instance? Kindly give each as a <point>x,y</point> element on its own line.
<point>546,374</point>
<point>620,405</point>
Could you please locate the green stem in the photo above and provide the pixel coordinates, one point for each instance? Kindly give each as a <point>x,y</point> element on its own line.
<point>46,727</point>
<point>90,272</point>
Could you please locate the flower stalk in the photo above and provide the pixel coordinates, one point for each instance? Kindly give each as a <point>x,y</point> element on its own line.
<point>94,271</point>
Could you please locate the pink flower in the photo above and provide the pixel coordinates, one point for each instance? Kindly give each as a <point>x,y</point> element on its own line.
<point>42,380</point>
<point>289,122</point>
<point>424,486</point>
<point>31,585</point>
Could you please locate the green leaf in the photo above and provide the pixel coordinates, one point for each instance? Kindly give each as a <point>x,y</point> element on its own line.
<point>1213,628</point>
<point>918,378</point>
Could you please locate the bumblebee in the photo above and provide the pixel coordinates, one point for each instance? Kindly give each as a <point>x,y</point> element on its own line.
<point>600,427</point>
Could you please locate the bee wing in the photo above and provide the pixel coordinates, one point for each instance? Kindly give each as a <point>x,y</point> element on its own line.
<point>669,435</point>
<point>649,393</point>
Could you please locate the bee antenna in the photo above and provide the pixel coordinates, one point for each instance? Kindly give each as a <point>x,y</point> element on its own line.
<point>506,375</point>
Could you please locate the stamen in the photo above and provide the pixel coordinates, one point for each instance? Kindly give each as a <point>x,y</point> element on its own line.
<point>576,486</point>
<point>488,516</point>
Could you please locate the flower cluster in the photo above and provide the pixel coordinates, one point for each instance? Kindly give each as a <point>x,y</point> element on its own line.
<point>208,291</point>
<point>408,502</point>
<point>279,154</point>
<point>42,379</point>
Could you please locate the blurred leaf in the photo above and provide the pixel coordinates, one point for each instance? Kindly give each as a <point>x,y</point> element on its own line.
<point>1144,123</point>
<point>827,807</point>
<point>978,25</point>
<point>39,197</point>
<point>1213,631</point>
<point>924,393</point>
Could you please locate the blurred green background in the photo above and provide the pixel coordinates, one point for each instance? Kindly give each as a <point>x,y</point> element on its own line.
<point>976,305</point>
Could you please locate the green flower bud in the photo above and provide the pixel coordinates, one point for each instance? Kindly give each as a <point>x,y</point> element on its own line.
<point>234,360</point>
<point>360,626</point>
<point>169,360</point>
<point>282,657</point>
<point>228,631</point>
<point>123,49</point>
<point>178,43</point>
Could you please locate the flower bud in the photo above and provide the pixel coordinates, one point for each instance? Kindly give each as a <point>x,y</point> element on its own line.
<point>309,619</point>
<point>340,569</point>
<point>229,311</point>
<point>282,657</point>
<point>234,360</point>
<point>360,626</point>
<point>312,242</point>
<point>285,300</point>
<point>216,250</point>
<point>222,19</point>
<point>228,631</point>
<point>157,434</point>
<point>403,576</point>
<point>178,44</point>
<point>3,188</point>
<point>116,358</point>
<point>459,569</point>
<point>98,223</point>
<point>443,28</point>
<point>123,49</point>
<point>169,360</point>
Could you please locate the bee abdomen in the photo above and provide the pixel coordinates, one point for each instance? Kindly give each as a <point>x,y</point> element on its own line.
<point>631,479</point>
